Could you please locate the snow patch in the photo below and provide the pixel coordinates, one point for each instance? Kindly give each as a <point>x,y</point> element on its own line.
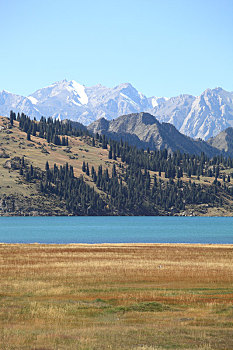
<point>154,102</point>
<point>128,98</point>
<point>33,100</point>
<point>79,90</point>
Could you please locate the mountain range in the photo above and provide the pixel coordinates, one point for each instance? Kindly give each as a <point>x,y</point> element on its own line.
<point>203,116</point>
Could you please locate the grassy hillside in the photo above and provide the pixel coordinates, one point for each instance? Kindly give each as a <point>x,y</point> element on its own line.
<point>21,197</point>
<point>14,143</point>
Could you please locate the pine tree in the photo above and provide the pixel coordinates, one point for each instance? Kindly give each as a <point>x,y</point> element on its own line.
<point>12,118</point>
<point>110,153</point>
<point>87,170</point>
<point>114,170</point>
<point>29,135</point>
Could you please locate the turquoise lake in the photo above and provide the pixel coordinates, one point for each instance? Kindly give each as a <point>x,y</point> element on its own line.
<point>116,230</point>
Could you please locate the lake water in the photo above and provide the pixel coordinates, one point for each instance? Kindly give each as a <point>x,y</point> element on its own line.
<point>116,230</point>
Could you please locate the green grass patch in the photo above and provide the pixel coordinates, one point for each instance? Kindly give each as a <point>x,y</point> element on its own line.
<point>142,307</point>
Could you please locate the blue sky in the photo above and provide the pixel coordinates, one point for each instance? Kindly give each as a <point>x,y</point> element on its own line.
<point>162,47</point>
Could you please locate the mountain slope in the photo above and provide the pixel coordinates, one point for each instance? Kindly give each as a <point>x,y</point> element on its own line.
<point>111,103</point>
<point>223,141</point>
<point>172,110</point>
<point>9,101</point>
<point>210,113</point>
<point>144,130</point>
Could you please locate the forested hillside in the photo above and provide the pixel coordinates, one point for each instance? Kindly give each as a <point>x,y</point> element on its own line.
<point>55,168</point>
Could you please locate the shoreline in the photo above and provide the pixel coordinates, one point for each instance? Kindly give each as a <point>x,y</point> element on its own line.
<point>198,245</point>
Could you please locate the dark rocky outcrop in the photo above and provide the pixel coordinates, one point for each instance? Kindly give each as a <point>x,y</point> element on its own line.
<point>144,130</point>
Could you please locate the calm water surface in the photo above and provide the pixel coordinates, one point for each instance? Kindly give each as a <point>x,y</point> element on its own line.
<point>116,230</point>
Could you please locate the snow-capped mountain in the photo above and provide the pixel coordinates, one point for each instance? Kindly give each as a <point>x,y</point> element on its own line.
<point>211,112</point>
<point>113,102</point>
<point>201,117</point>
<point>9,101</point>
<point>68,99</point>
<point>63,99</point>
<point>173,110</point>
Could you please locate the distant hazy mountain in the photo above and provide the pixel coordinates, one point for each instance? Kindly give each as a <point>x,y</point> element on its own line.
<point>203,116</point>
<point>144,130</point>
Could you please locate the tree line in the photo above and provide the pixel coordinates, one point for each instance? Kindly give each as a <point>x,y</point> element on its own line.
<point>53,130</point>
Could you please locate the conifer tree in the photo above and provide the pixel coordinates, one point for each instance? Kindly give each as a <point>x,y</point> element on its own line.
<point>87,170</point>
<point>29,135</point>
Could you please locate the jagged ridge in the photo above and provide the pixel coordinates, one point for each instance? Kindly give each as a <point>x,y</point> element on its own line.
<point>144,130</point>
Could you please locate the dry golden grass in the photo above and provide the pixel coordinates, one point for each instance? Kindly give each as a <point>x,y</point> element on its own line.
<point>122,296</point>
<point>16,144</point>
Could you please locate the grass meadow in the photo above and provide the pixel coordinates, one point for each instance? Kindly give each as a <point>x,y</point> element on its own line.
<point>116,296</point>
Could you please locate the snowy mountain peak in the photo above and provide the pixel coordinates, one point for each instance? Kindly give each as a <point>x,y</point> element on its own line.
<point>124,86</point>
<point>218,89</point>
<point>5,91</point>
<point>61,93</point>
<point>128,88</point>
